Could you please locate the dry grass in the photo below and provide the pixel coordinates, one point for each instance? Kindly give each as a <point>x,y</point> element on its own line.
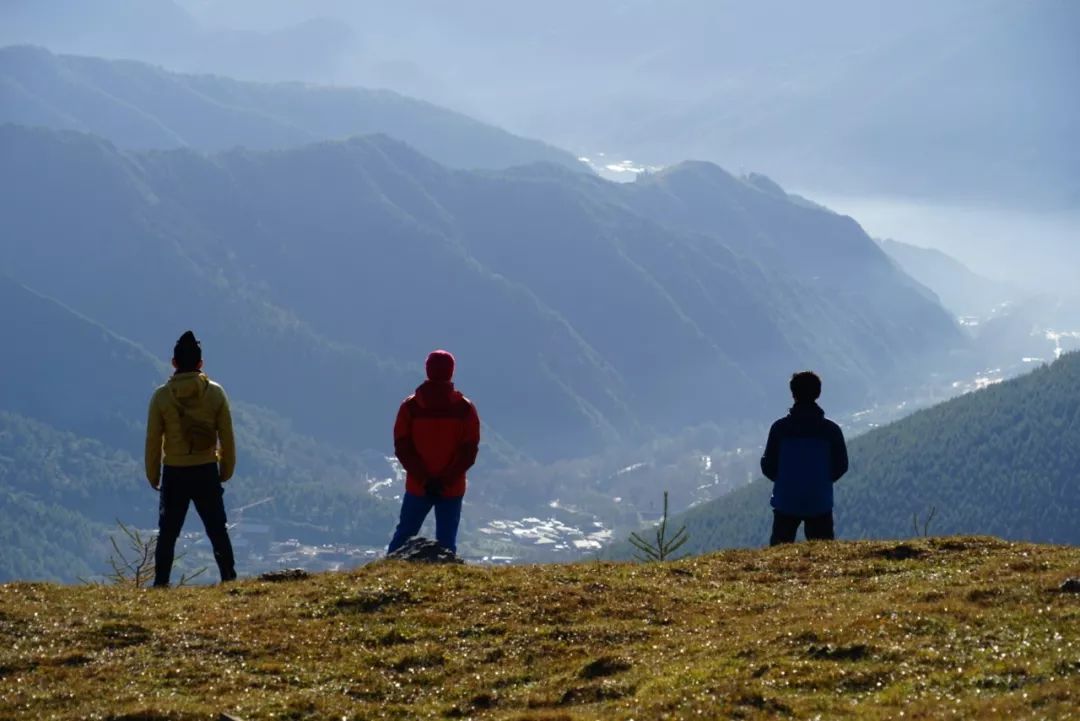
<point>938,628</point>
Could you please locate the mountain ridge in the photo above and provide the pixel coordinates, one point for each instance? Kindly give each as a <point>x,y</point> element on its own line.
<point>237,219</point>
<point>587,317</point>
<point>141,106</point>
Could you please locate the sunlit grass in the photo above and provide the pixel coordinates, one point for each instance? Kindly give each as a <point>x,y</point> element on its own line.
<point>963,628</point>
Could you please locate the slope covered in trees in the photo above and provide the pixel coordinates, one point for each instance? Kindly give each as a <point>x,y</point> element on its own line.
<point>71,432</point>
<point>142,106</point>
<point>584,312</point>
<point>1003,461</point>
<point>587,317</point>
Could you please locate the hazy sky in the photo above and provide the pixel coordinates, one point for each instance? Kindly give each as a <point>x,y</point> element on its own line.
<point>1038,250</point>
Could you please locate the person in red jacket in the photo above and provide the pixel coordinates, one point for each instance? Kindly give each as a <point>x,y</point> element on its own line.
<point>436,439</point>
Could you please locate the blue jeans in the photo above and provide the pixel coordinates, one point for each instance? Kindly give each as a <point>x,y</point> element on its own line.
<point>414,510</point>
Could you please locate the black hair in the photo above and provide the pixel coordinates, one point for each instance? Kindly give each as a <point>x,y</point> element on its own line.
<point>805,387</point>
<point>187,353</point>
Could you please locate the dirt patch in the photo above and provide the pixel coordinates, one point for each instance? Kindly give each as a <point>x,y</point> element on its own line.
<point>984,596</point>
<point>150,715</point>
<point>480,702</point>
<point>118,635</point>
<point>862,683</point>
<point>759,702</point>
<point>68,659</point>
<point>393,637</point>
<point>604,666</point>
<point>595,694</point>
<point>856,652</point>
<point>901,552</point>
<point>10,669</point>
<point>412,661</point>
<point>286,574</point>
<point>966,544</point>
<point>806,637</point>
<point>370,601</point>
<point>1067,668</point>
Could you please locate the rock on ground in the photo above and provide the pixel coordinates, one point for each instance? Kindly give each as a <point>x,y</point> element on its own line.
<point>423,550</point>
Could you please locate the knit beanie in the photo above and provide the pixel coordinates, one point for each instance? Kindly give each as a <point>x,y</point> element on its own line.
<point>188,351</point>
<point>440,366</point>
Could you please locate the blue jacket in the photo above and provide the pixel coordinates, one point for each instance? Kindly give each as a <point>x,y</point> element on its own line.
<point>804,456</point>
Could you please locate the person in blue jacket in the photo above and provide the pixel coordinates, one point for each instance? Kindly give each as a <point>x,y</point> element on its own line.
<point>804,456</point>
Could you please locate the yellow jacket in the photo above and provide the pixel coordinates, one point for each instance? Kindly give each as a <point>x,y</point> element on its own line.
<point>189,417</point>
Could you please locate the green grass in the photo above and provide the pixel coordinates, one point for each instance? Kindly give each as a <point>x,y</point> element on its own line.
<point>936,628</point>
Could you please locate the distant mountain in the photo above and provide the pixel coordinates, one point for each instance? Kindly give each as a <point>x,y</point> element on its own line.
<point>585,312</point>
<point>964,100</point>
<point>1001,461</point>
<point>959,101</point>
<point>53,358</point>
<point>142,106</point>
<point>588,317</point>
<point>961,290</point>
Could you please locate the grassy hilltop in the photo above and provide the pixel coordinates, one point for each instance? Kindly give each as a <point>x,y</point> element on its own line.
<point>934,628</point>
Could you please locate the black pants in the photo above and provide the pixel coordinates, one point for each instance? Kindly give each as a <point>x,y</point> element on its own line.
<point>817,528</point>
<point>180,486</point>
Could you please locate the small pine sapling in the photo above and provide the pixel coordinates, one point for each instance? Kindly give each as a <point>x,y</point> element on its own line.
<point>133,564</point>
<point>663,547</point>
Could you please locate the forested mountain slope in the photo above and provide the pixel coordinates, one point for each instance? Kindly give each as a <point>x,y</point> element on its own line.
<point>584,312</point>
<point>71,432</point>
<point>1002,461</point>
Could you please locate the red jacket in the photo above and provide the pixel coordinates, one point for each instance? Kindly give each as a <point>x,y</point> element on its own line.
<point>436,436</point>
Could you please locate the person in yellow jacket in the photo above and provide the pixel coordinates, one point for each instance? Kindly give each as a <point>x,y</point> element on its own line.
<point>189,418</point>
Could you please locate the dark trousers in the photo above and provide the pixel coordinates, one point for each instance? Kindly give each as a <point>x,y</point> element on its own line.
<point>816,528</point>
<point>414,509</point>
<point>180,486</point>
